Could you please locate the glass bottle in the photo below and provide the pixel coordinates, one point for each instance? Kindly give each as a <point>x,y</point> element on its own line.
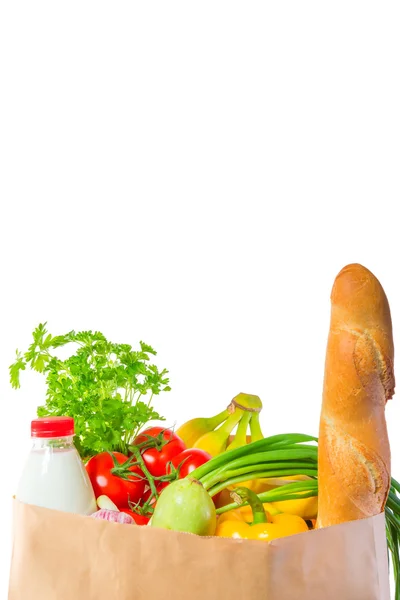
<point>54,475</point>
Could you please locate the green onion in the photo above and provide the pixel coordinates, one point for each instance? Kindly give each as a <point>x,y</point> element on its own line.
<point>291,468</point>
<point>271,443</point>
<point>262,459</point>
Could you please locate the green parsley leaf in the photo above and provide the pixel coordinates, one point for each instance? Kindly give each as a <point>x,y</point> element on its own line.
<point>15,368</point>
<point>106,387</point>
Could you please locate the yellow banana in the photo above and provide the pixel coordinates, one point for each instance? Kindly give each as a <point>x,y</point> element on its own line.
<point>194,429</point>
<point>216,441</point>
<point>306,508</point>
<point>213,434</point>
<point>277,481</point>
<point>256,485</point>
<point>255,429</point>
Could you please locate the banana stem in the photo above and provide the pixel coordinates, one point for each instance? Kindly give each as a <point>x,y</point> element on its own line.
<point>240,438</point>
<point>255,428</point>
<point>230,422</point>
<point>247,402</point>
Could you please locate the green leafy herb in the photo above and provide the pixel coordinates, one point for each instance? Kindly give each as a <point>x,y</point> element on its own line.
<point>106,387</point>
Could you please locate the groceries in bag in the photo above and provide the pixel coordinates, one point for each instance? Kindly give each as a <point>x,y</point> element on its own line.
<point>244,483</point>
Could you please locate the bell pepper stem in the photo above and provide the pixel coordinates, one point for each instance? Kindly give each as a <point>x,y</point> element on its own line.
<point>243,494</point>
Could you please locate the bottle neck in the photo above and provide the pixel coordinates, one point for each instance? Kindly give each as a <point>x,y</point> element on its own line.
<point>59,443</point>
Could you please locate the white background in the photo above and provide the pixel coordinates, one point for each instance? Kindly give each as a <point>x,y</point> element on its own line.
<point>194,175</point>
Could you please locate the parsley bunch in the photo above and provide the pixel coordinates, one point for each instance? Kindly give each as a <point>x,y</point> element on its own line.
<point>102,386</point>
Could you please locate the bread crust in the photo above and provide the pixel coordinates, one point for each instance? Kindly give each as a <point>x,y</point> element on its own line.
<point>354,452</point>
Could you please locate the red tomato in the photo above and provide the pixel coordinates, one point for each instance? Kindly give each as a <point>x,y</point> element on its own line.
<point>119,490</point>
<point>191,459</point>
<point>139,519</point>
<point>157,460</point>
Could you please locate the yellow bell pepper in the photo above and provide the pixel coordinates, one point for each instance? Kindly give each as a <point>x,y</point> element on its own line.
<point>234,524</point>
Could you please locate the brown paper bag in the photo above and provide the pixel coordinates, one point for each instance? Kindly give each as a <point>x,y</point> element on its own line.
<point>60,556</point>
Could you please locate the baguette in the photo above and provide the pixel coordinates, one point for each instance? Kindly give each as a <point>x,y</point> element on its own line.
<point>353,447</point>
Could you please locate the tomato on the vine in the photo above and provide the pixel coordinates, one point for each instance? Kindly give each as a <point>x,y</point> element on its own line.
<point>161,486</point>
<point>119,490</point>
<point>156,460</point>
<point>189,460</point>
<point>147,494</point>
<point>146,498</point>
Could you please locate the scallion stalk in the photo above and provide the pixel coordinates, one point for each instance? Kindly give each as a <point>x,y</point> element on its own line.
<point>222,475</point>
<point>274,442</point>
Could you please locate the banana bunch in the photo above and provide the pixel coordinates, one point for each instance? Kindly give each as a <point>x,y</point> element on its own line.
<point>213,434</point>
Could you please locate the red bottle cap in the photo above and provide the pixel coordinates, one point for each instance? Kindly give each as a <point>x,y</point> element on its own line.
<point>52,427</point>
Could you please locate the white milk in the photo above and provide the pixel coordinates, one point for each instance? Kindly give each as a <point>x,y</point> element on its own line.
<point>56,478</point>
